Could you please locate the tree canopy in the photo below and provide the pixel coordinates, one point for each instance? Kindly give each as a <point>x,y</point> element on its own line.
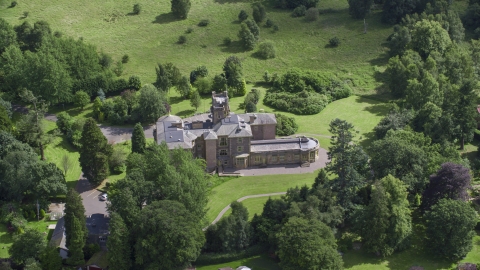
<point>307,244</point>
<point>169,225</point>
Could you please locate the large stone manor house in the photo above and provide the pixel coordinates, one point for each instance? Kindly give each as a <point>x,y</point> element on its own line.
<point>228,140</point>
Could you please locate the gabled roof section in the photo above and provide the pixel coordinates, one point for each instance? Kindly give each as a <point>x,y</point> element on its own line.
<point>58,236</point>
<point>259,118</point>
<point>233,126</point>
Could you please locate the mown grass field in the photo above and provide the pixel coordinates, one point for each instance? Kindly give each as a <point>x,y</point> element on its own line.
<point>152,36</point>
<point>236,188</point>
<point>59,147</point>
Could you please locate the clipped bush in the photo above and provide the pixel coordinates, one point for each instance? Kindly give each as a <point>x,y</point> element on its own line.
<point>266,76</point>
<point>275,28</point>
<point>182,40</point>
<point>32,214</point>
<point>42,213</point>
<point>118,70</point>
<point>189,30</point>
<point>334,42</point>
<point>137,8</point>
<point>259,13</point>
<point>266,50</point>
<point>227,41</point>
<point>299,11</point>
<point>204,23</point>
<point>250,107</point>
<point>134,82</point>
<point>125,58</point>
<point>269,23</point>
<point>58,34</point>
<point>25,14</point>
<point>13,4</point>
<point>242,16</point>
<point>312,14</point>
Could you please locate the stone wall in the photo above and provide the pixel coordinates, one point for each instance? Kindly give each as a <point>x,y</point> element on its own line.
<point>263,132</point>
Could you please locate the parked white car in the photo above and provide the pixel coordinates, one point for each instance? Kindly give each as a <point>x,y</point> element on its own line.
<point>103,197</point>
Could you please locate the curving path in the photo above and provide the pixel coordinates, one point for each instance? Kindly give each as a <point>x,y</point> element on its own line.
<point>220,215</point>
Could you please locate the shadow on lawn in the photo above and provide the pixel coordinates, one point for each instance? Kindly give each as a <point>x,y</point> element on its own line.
<point>376,108</point>
<point>165,18</point>
<point>185,113</point>
<point>234,47</point>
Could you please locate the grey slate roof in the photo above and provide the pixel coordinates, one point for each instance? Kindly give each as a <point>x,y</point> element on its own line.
<point>172,135</point>
<point>58,237</point>
<point>261,118</point>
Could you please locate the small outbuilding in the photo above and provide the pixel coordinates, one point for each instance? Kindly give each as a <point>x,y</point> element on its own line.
<point>58,239</point>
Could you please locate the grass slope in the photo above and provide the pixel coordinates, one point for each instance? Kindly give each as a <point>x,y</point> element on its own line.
<point>236,188</point>
<point>254,206</point>
<point>152,36</point>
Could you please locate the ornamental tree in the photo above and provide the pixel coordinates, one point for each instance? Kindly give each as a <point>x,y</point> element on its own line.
<point>451,181</point>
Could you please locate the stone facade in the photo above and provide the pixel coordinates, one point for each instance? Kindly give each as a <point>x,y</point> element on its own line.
<point>227,140</point>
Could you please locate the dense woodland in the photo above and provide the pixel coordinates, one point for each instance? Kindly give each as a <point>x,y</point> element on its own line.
<point>410,182</point>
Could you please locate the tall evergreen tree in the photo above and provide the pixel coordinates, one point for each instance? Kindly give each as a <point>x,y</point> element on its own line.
<point>386,223</point>
<point>348,161</point>
<point>76,244</point>
<point>74,209</point>
<point>94,152</point>
<point>119,251</point>
<point>465,112</point>
<point>138,139</point>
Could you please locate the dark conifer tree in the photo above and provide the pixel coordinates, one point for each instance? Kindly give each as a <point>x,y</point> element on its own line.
<point>138,139</point>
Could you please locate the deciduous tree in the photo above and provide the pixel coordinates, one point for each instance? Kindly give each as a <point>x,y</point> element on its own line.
<point>195,100</point>
<point>307,244</point>
<point>81,99</point>
<point>169,225</point>
<point>451,181</point>
<point>450,226</point>
<point>27,245</point>
<point>151,104</point>
<point>386,224</point>
<point>180,8</point>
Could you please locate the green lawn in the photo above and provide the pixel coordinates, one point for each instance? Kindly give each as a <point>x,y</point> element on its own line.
<point>236,188</point>
<point>256,263</point>
<point>152,36</point>
<point>6,239</point>
<point>254,206</point>
<point>57,149</point>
